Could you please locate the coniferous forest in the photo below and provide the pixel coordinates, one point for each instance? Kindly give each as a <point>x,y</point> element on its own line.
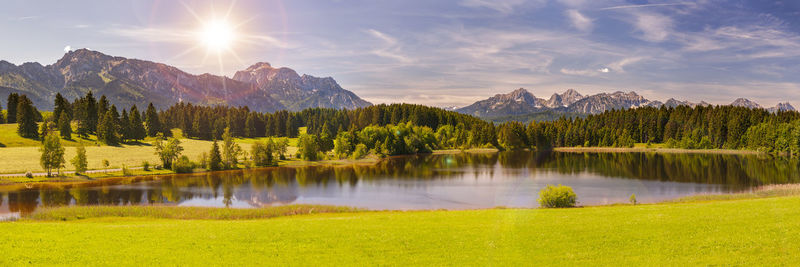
<point>406,129</point>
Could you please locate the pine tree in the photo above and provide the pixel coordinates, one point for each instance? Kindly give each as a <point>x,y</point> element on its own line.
<point>90,109</point>
<point>138,131</point>
<point>102,107</point>
<point>106,129</point>
<point>26,118</point>
<point>215,158</point>
<point>151,121</point>
<point>2,119</point>
<point>62,105</point>
<point>64,127</point>
<point>13,100</point>
<point>125,127</point>
<point>250,126</point>
<point>325,139</point>
<point>201,127</point>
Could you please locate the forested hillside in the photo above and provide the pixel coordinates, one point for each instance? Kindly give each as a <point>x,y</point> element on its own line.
<point>707,127</point>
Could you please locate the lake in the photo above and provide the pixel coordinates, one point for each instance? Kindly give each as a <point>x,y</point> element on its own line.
<point>435,181</point>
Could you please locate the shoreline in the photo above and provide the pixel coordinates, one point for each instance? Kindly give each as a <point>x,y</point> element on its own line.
<point>655,150</point>
<point>232,214</point>
<point>19,181</point>
<point>112,175</point>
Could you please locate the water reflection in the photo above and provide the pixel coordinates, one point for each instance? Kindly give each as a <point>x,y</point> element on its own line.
<point>456,181</point>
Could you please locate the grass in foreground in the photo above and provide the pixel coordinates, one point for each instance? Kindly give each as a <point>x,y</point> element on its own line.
<point>767,191</point>
<point>741,232</point>
<point>182,213</point>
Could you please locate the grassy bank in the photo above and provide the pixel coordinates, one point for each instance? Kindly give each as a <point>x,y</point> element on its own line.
<point>740,232</point>
<point>767,191</point>
<point>180,213</point>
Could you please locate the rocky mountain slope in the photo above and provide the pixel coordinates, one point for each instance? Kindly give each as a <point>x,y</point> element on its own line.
<point>742,102</point>
<point>131,81</point>
<point>299,92</point>
<point>522,102</point>
<point>517,102</point>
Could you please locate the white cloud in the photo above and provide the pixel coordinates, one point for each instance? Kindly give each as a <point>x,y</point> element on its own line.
<point>619,66</point>
<point>391,48</point>
<point>589,73</point>
<point>23,18</point>
<point>67,49</point>
<point>654,27</point>
<point>579,21</point>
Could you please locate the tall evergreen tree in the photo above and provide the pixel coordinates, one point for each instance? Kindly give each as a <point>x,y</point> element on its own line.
<point>201,127</point>
<point>138,132</point>
<point>64,127</point>
<point>13,99</point>
<point>151,121</point>
<point>215,158</point>
<point>250,126</point>
<point>2,119</point>
<point>102,107</point>
<point>90,109</point>
<point>62,105</point>
<point>26,118</point>
<point>106,129</point>
<point>125,132</point>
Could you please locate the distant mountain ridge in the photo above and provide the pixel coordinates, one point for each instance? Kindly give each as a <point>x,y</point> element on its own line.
<point>131,81</point>
<point>522,102</point>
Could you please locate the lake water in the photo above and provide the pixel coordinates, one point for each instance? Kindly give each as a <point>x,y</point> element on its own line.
<point>458,181</point>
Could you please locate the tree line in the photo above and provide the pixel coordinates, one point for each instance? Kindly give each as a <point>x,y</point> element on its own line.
<point>700,127</point>
<point>406,128</point>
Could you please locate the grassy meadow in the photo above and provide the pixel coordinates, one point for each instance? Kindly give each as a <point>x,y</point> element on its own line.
<point>20,155</point>
<point>738,232</point>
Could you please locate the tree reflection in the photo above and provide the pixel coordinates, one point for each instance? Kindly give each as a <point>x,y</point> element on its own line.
<point>278,185</point>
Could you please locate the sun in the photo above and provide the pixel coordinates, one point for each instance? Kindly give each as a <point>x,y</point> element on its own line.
<point>217,35</point>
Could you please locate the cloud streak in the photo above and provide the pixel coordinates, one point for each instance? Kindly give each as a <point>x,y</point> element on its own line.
<point>645,6</point>
<point>579,21</point>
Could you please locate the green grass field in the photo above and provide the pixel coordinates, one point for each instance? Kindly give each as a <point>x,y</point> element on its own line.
<point>740,232</point>
<point>21,154</point>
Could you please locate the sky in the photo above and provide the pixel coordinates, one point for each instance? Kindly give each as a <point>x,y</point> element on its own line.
<point>445,53</point>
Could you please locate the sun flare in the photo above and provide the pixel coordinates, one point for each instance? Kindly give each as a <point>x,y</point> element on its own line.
<point>217,35</point>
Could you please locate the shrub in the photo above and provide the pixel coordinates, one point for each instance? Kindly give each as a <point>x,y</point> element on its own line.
<point>633,199</point>
<point>79,161</point>
<point>560,196</point>
<point>360,152</point>
<point>146,166</point>
<point>183,165</point>
<point>29,175</point>
<point>126,171</point>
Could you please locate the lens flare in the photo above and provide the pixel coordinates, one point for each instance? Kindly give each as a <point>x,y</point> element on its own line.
<point>217,35</point>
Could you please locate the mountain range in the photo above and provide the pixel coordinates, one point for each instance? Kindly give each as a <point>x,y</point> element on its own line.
<point>522,102</point>
<point>125,82</point>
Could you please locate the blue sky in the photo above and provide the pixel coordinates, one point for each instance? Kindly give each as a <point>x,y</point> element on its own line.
<point>448,53</point>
